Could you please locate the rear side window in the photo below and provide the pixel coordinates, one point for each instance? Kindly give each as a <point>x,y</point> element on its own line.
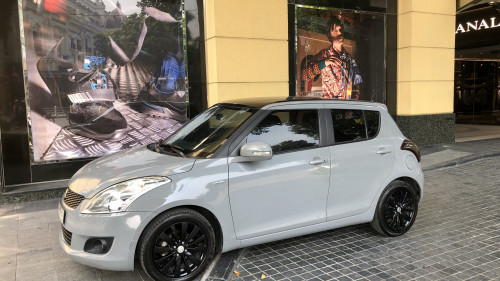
<point>348,125</point>
<point>355,125</point>
<point>288,130</point>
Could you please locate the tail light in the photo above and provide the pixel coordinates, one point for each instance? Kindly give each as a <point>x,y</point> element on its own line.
<point>412,147</point>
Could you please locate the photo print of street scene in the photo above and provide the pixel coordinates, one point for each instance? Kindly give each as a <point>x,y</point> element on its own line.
<point>103,75</point>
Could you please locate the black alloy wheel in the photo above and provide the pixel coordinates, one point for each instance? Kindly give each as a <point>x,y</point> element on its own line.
<point>396,210</point>
<point>177,245</point>
<point>399,209</point>
<point>180,249</point>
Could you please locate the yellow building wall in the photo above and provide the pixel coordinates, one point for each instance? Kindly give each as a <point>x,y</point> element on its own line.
<point>247,52</point>
<point>426,52</point>
<point>246,49</point>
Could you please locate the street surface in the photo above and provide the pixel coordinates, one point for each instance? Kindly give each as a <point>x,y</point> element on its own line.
<point>456,237</point>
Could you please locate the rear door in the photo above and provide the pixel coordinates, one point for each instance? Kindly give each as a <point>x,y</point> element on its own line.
<point>362,159</point>
<point>291,189</point>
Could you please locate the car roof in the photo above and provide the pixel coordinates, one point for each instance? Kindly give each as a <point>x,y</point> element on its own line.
<point>265,101</point>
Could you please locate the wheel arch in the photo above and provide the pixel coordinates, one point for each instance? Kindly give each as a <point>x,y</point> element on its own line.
<point>414,184</point>
<point>378,222</point>
<point>205,213</point>
<point>213,221</point>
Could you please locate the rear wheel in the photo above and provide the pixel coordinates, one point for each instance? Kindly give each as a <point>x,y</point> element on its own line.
<point>177,246</point>
<point>396,209</point>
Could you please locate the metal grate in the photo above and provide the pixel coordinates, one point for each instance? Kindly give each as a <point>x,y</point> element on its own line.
<point>66,235</point>
<point>72,199</point>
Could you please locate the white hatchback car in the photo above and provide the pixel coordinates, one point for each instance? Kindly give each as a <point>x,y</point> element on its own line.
<point>239,174</point>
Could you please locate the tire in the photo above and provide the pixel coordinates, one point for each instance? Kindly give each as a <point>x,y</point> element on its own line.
<point>178,245</point>
<point>396,209</point>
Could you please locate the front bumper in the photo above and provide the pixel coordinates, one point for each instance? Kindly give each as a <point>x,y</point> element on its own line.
<point>124,227</point>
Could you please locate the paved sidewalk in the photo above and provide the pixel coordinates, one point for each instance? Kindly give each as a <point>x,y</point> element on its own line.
<point>471,132</point>
<point>30,249</point>
<point>453,154</point>
<point>456,235</point>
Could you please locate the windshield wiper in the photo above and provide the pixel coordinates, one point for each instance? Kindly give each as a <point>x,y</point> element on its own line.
<point>175,148</point>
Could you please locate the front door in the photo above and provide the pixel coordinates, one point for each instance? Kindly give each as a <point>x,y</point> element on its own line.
<point>291,189</point>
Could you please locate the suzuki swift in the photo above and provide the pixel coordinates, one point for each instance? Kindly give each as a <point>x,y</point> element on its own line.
<point>242,173</point>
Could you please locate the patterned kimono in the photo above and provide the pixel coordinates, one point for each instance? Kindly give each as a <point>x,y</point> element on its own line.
<point>338,79</point>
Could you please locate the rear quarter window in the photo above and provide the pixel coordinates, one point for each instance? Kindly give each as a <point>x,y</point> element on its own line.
<point>372,119</point>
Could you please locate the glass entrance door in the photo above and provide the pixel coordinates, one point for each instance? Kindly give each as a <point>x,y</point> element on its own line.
<point>477,92</point>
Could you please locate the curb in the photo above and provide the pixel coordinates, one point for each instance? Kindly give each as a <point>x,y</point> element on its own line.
<point>30,196</point>
<point>223,269</point>
<point>461,161</point>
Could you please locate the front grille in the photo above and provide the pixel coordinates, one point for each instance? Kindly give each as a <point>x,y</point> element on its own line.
<point>72,199</point>
<point>66,235</point>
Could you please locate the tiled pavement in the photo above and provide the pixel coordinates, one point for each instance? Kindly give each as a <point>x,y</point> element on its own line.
<point>456,237</point>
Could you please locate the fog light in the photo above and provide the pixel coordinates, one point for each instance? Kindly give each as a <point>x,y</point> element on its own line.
<point>98,246</point>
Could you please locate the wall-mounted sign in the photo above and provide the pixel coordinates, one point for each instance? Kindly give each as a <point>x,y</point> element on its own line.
<point>477,25</point>
<point>477,28</point>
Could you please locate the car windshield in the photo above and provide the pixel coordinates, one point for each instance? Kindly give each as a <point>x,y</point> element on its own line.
<point>209,130</point>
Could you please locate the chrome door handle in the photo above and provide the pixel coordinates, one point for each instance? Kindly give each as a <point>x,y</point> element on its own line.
<point>384,150</point>
<point>318,160</point>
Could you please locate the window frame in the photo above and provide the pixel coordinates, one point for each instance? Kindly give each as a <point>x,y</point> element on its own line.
<point>234,148</point>
<point>331,129</point>
<point>379,123</point>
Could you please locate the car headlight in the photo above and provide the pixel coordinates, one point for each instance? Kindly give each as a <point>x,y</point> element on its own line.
<point>118,197</point>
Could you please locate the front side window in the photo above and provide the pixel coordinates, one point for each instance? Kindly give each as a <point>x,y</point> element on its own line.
<point>288,130</point>
<point>209,130</point>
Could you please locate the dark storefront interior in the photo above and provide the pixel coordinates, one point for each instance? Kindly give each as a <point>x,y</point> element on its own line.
<point>477,92</point>
<point>477,64</point>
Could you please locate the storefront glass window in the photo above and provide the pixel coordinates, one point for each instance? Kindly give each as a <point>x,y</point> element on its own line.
<point>103,76</point>
<point>340,53</point>
<point>58,114</point>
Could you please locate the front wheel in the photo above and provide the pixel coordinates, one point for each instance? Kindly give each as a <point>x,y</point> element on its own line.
<point>178,245</point>
<point>396,209</point>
